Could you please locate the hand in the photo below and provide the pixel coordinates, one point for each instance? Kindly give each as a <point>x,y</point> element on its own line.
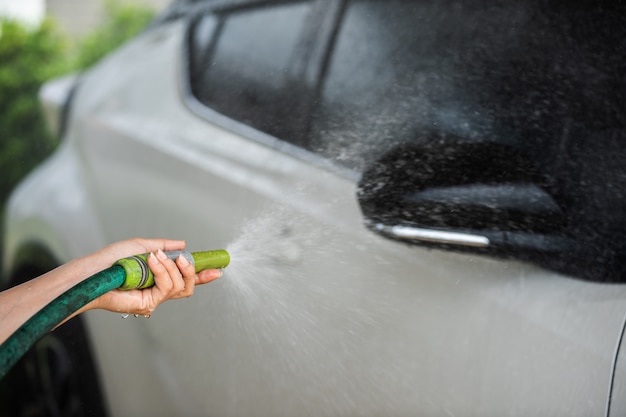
<point>173,279</point>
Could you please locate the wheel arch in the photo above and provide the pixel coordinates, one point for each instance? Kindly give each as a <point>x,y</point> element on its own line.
<point>59,374</point>
<point>31,260</point>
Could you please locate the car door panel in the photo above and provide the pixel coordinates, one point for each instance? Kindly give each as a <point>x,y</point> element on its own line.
<point>326,318</point>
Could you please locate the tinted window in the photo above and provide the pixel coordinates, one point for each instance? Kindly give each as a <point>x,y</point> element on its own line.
<point>544,79</point>
<point>522,72</point>
<point>248,74</point>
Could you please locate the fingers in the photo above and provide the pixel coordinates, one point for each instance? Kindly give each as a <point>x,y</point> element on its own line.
<point>176,279</point>
<point>188,275</point>
<point>168,280</point>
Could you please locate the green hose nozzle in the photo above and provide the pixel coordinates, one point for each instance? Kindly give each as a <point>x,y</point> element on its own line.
<point>125,274</point>
<point>139,276</point>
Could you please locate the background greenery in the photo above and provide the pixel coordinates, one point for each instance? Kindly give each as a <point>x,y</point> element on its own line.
<point>123,22</point>
<point>28,57</point>
<point>31,55</point>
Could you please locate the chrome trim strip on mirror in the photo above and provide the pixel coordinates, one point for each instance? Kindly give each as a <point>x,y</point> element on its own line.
<point>437,236</point>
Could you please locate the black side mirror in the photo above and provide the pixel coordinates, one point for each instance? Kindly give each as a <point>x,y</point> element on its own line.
<point>483,197</point>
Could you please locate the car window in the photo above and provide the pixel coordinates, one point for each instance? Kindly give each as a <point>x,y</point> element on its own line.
<point>248,74</point>
<point>389,83</point>
<point>545,79</point>
<point>518,72</point>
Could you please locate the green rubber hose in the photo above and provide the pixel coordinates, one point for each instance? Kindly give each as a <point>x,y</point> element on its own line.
<point>125,274</point>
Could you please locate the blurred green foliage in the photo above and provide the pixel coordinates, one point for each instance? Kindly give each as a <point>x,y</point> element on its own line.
<point>124,21</point>
<point>29,56</point>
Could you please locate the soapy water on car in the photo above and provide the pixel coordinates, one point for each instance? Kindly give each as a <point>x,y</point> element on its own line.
<point>268,262</point>
<point>302,323</point>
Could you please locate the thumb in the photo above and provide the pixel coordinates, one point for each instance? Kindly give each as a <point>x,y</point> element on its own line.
<point>208,275</point>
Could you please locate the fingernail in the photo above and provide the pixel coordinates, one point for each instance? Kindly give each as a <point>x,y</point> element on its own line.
<point>161,255</point>
<point>183,261</point>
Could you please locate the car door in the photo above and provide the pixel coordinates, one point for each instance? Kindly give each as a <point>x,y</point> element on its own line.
<point>316,315</point>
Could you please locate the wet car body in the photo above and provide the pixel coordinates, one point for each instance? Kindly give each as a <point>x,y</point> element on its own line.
<point>347,151</point>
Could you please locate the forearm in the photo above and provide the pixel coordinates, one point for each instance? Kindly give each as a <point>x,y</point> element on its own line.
<point>21,302</point>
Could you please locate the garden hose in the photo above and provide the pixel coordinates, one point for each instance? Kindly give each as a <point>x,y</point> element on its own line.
<point>125,274</point>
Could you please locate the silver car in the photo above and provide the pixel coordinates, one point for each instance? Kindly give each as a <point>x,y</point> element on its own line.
<point>424,204</point>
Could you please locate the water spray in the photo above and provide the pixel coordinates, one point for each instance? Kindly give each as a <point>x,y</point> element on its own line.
<point>125,274</point>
